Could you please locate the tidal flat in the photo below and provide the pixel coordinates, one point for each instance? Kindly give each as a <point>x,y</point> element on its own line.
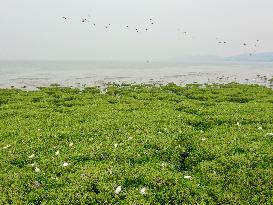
<point>137,144</point>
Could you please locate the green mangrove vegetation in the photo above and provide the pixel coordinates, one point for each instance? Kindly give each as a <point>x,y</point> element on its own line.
<point>137,144</point>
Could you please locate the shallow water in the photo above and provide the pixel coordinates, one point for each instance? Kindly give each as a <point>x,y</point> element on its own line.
<point>33,74</point>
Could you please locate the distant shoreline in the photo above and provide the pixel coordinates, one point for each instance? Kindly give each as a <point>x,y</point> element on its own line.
<point>33,74</point>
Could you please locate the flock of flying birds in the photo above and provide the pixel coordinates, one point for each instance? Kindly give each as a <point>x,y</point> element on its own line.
<point>107,26</point>
<point>251,47</point>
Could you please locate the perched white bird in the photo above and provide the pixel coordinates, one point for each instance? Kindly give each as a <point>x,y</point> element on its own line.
<point>31,165</point>
<point>115,145</point>
<point>7,146</point>
<point>66,164</point>
<point>57,153</point>
<point>31,156</point>
<point>142,191</point>
<point>260,128</point>
<point>203,139</point>
<point>187,177</point>
<point>118,190</point>
<point>37,169</point>
<point>71,144</point>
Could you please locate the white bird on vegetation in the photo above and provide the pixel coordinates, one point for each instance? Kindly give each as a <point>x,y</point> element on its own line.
<point>187,177</point>
<point>260,128</point>
<point>116,145</point>
<point>142,191</point>
<point>37,169</point>
<point>71,144</point>
<point>7,146</point>
<point>31,165</point>
<point>31,156</point>
<point>66,164</point>
<point>118,190</point>
<point>57,153</point>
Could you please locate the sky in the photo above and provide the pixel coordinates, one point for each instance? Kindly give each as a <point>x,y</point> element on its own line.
<point>34,29</point>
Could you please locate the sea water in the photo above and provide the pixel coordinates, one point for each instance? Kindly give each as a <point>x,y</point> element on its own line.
<point>33,74</point>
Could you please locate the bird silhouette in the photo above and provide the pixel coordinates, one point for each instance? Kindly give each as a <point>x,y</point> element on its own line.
<point>251,47</point>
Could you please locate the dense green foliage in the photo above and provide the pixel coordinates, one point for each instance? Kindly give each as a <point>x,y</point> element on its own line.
<point>136,137</point>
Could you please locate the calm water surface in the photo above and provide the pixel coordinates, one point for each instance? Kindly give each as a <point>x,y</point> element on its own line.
<point>32,74</point>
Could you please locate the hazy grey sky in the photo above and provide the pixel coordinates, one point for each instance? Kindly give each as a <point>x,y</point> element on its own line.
<point>33,29</point>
